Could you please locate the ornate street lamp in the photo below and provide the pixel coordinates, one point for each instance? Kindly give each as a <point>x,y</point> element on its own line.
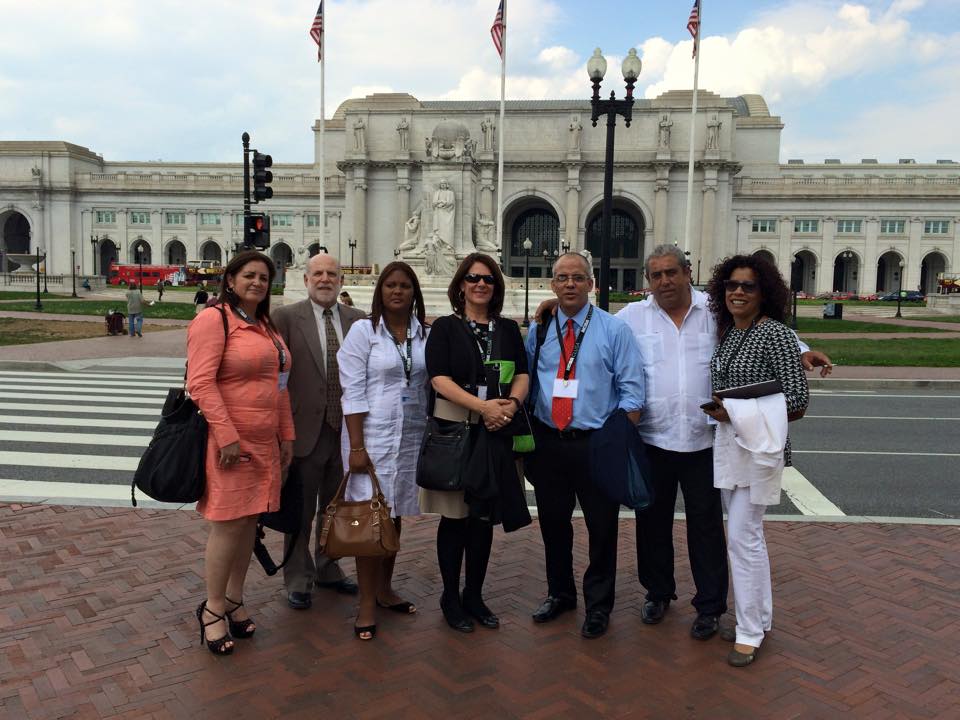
<point>527,246</point>
<point>45,291</point>
<point>73,271</point>
<point>596,69</point>
<point>37,306</point>
<point>353,246</point>
<point>900,290</point>
<point>94,242</point>
<point>564,246</point>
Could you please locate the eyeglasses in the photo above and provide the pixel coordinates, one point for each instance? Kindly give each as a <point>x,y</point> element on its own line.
<point>563,278</point>
<point>474,278</point>
<point>748,287</point>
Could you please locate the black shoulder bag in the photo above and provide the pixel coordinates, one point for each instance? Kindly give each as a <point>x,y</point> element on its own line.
<point>172,469</point>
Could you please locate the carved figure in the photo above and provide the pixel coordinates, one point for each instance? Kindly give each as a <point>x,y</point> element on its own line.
<point>411,234</point>
<point>439,255</point>
<point>470,149</point>
<point>403,130</point>
<point>713,133</point>
<point>666,123</point>
<point>444,207</point>
<point>484,236</point>
<point>302,256</point>
<point>487,128</point>
<point>428,146</point>
<point>576,130</point>
<point>589,256</point>
<point>359,139</point>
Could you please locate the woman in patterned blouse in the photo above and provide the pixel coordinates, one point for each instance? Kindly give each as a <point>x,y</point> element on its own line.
<point>748,298</point>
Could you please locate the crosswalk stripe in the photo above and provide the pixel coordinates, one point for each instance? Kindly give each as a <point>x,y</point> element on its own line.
<point>76,422</point>
<point>73,462</point>
<point>63,438</point>
<point>76,493</point>
<point>81,398</point>
<point>98,376</point>
<point>119,392</point>
<point>873,452</point>
<point>56,382</point>
<point>805,497</point>
<point>34,407</point>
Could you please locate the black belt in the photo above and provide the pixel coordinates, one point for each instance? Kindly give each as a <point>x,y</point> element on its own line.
<point>569,434</point>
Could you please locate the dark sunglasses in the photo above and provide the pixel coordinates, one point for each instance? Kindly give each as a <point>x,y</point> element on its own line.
<point>474,278</point>
<point>748,287</point>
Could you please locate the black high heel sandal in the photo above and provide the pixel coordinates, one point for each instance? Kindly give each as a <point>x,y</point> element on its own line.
<point>239,628</point>
<point>362,630</point>
<point>218,646</point>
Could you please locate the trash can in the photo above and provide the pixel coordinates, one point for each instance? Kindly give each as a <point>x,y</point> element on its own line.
<point>833,311</point>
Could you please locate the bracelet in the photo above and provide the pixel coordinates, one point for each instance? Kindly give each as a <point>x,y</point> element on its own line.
<point>359,449</point>
<point>516,401</point>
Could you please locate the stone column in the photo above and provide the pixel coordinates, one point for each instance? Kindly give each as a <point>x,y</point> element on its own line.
<point>86,232</point>
<point>298,223</point>
<point>785,247</point>
<point>360,215</point>
<point>660,206</point>
<point>868,270</point>
<point>911,271</point>
<point>403,201</point>
<point>572,230</point>
<point>825,273</point>
<point>486,192</point>
<point>122,243</point>
<point>708,227</point>
<point>193,234</point>
<point>954,262</point>
<point>156,242</point>
<point>743,234</point>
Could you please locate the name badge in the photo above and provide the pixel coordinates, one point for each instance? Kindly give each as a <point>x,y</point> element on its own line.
<point>482,392</point>
<point>410,396</point>
<point>282,380</point>
<point>565,388</point>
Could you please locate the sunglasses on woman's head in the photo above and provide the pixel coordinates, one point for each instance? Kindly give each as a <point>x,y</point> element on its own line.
<point>474,278</point>
<point>732,285</point>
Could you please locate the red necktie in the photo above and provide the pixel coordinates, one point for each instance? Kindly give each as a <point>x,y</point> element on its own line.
<point>562,409</point>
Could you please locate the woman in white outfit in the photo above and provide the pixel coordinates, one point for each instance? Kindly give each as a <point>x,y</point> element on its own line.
<point>384,379</point>
<point>749,299</point>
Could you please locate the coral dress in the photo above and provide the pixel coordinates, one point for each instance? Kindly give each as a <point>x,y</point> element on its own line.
<point>237,389</point>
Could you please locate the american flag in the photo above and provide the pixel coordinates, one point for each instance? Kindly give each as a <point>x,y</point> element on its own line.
<point>316,31</point>
<point>693,24</point>
<point>496,32</point>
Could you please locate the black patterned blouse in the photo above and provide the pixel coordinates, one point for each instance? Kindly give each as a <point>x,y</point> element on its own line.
<point>765,351</point>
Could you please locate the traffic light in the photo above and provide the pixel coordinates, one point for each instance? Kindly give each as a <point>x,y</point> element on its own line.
<point>262,177</point>
<point>256,231</point>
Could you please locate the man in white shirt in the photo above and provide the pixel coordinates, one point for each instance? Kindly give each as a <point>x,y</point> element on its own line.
<point>677,334</point>
<point>313,330</point>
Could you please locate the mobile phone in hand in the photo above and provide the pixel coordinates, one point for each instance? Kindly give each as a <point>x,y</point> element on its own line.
<point>711,406</point>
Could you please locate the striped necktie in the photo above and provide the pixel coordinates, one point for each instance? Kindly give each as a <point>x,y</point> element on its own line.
<point>334,416</point>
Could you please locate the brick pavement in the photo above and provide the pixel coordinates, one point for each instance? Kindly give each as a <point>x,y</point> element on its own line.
<point>96,622</point>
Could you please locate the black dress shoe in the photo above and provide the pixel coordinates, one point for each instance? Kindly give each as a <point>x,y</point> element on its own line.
<point>653,611</point>
<point>454,615</point>
<point>299,600</point>
<point>705,626</point>
<point>344,586</point>
<point>479,611</point>
<point>595,624</point>
<point>551,608</point>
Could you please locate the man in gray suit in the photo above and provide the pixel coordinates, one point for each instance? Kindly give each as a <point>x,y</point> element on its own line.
<point>313,330</point>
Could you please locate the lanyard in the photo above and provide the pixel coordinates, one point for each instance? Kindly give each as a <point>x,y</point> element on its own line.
<point>723,371</point>
<point>485,354</point>
<point>407,359</point>
<point>281,353</point>
<point>576,345</point>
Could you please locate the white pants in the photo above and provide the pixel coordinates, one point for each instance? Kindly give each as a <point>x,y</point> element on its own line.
<point>749,565</point>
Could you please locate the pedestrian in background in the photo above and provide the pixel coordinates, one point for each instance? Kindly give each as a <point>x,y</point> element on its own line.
<point>160,291</point>
<point>135,310</point>
<point>346,299</point>
<point>200,298</point>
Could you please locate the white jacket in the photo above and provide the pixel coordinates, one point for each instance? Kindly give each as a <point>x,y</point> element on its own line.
<point>748,450</point>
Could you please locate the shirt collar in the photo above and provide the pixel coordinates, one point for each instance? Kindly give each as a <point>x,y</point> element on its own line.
<point>577,319</point>
<point>414,326</point>
<point>318,309</point>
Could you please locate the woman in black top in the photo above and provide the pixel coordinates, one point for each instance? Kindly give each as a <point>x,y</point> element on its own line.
<point>478,367</point>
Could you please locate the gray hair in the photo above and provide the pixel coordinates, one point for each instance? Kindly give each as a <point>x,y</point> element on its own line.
<point>579,256</point>
<point>666,250</point>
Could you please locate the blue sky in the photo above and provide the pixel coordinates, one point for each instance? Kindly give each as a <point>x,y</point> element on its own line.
<point>181,79</point>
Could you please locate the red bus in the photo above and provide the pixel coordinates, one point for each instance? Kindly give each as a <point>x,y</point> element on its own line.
<point>151,274</point>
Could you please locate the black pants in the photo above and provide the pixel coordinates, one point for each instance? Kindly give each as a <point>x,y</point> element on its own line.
<point>560,473</point>
<point>693,473</point>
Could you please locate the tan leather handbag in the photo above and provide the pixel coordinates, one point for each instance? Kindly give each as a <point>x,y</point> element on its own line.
<point>359,528</point>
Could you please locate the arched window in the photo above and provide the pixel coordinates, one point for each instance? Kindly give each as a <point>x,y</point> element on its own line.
<point>541,226</point>
<point>624,235</point>
<point>176,253</point>
<point>140,252</point>
<point>211,251</point>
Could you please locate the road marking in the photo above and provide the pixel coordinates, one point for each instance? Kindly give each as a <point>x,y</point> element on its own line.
<point>73,438</point>
<point>54,383</point>
<point>119,392</point>
<point>56,493</point>
<point>142,412</point>
<point>884,396</point>
<point>98,376</point>
<point>73,462</point>
<point>874,417</point>
<point>121,398</point>
<point>805,497</point>
<point>76,422</point>
<point>871,452</point>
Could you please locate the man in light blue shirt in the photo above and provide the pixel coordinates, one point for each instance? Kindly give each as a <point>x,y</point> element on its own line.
<point>589,366</point>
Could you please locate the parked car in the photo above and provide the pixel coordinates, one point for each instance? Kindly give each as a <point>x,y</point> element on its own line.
<point>910,296</point>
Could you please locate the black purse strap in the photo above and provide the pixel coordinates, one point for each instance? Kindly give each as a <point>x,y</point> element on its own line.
<point>226,334</point>
<point>531,402</point>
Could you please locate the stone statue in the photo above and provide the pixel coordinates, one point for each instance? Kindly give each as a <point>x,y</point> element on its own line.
<point>301,257</point>
<point>359,141</point>
<point>403,130</point>
<point>439,256</point>
<point>411,234</point>
<point>589,256</point>
<point>459,147</point>
<point>470,149</point>
<point>428,146</point>
<point>576,130</point>
<point>486,128</point>
<point>713,133</point>
<point>484,237</point>
<point>665,124</point>
<point>444,211</point>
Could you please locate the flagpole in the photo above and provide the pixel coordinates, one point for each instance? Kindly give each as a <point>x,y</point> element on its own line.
<point>503,94</point>
<point>323,122</point>
<point>693,130</point>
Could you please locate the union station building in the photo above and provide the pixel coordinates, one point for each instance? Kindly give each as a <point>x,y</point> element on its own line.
<point>839,225</point>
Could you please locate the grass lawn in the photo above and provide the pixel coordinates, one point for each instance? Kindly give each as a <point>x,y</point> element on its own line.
<point>178,311</point>
<point>27,295</point>
<point>819,325</point>
<point>909,352</point>
<point>20,331</point>
<point>865,303</point>
<point>939,318</point>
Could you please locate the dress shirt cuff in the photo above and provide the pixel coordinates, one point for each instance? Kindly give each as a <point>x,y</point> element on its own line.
<point>630,406</point>
<point>354,407</point>
<point>224,434</point>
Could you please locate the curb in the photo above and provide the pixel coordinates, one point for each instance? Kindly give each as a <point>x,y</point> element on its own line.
<point>867,384</point>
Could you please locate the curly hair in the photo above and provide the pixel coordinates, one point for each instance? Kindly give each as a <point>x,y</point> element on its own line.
<point>774,294</point>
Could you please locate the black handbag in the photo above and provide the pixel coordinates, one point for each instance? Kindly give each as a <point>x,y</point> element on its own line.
<point>173,467</point>
<point>287,520</point>
<point>444,454</point>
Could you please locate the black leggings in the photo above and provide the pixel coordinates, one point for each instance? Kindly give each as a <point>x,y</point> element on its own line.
<point>456,538</point>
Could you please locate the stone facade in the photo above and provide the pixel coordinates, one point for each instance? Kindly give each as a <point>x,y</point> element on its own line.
<point>841,226</point>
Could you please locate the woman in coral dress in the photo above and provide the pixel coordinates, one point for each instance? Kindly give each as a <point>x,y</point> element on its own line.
<point>237,367</point>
